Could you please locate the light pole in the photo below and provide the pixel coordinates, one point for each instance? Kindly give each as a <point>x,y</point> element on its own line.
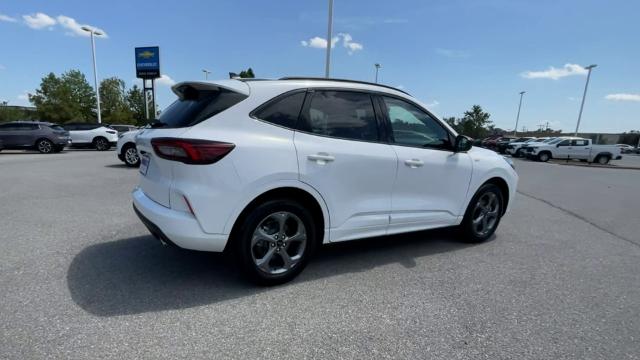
<point>584,95</point>
<point>329,35</point>
<point>378,66</point>
<point>206,73</point>
<point>95,70</point>
<point>515,130</point>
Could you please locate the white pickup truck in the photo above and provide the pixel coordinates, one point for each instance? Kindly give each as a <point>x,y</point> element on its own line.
<point>574,148</point>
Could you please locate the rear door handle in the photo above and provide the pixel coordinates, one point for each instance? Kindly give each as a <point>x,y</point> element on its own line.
<point>413,163</point>
<point>321,158</point>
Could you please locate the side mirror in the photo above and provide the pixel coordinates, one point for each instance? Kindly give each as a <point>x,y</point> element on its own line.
<point>558,145</point>
<point>462,144</point>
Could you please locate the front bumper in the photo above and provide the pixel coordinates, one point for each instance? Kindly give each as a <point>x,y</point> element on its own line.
<point>175,227</point>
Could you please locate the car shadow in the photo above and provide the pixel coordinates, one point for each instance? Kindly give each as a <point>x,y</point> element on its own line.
<point>120,166</point>
<point>138,275</point>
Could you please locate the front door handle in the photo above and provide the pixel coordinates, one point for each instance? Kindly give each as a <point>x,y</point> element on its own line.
<point>413,163</point>
<point>321,158</point>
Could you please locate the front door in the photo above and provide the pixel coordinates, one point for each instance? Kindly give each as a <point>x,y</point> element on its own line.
<point>432,180</point>
<point>340,154</point>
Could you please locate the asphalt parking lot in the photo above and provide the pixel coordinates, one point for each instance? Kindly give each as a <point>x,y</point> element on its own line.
<point>81,278</point>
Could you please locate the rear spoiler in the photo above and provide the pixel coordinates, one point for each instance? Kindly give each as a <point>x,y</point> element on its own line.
<point>236,86</point>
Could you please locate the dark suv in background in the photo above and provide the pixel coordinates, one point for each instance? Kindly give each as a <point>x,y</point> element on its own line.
<point>33,135</point>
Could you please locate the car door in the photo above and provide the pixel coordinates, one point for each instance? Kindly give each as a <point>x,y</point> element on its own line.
<point>7,135</point>
<point>579,149</point>
<point>341,155</point>
<point>432,180</point>
<point>23,134</point>
<point>562,149</point>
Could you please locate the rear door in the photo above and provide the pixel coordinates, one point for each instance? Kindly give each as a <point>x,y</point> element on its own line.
<point>341,154</point>
<point>579,149</point>
<point>432,180</point>
<point>24,134</point>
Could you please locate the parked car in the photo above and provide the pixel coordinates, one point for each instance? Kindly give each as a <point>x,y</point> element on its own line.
<point>490,142</point>
<point>34,135</point>
<point>126,149</point>
<point>121,129</point>
<point>221,169</point>
<point>515,148</point>
<point>501,145</point>
<point>576,148</point>
<point>93,135</point>
<point>626,149</point>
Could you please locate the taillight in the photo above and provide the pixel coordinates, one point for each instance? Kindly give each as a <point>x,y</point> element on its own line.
<point>191,151</point>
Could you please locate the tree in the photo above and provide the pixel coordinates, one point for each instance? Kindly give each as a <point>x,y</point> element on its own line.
<point>113,102</point>
<point>135,102</point>
<point>247,74</point>
<point>475,123</point>
<point>65,98</point>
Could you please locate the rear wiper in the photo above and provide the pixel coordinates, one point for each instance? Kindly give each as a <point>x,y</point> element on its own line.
<point>157,124</point>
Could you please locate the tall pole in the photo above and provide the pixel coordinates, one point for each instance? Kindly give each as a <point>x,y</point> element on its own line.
<point>95,68</point>
<point>329,35</point>
<point>206,73</point>
<point>515,130</point>
<point>584,95</point>
<point>377,67</point>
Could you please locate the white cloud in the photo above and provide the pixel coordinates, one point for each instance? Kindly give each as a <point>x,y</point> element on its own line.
<point>452,53</point>
<point>7,18</point>
<point>39,21</point>
<point>321,43</point>
<point>573,98</point>
<point>555,73</point>
<point>432,104</point>
<point>23,96</point>
<point>76,29</point>
<point>164,79</point>
<point>623,97</point>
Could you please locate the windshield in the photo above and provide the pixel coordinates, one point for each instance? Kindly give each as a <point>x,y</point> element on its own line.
<point>556,140</point>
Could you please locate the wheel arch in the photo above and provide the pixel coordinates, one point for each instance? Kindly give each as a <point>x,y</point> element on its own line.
<point>35,143</point>
<point>504,189</point>
<point>125,146</point>
<point>93,141</point>
<point>306,197</point>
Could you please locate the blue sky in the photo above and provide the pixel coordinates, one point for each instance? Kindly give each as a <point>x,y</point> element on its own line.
<point>448,53</point>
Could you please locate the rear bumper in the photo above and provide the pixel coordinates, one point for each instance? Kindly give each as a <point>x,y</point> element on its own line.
<point>175,227</point>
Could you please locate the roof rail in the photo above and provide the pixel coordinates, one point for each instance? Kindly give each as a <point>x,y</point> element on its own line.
<point>342,80</point>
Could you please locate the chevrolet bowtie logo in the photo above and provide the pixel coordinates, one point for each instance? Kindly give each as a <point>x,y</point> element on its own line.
<point>146,54</point>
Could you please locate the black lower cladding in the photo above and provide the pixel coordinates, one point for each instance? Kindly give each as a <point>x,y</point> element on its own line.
<point>153,228</point>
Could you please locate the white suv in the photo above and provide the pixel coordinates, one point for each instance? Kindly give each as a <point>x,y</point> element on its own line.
<point>271,169</point>
<point>92,135</point>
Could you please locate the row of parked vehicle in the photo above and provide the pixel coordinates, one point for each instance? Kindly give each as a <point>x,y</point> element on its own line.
<point>561,147</point>
<point>49,137</point>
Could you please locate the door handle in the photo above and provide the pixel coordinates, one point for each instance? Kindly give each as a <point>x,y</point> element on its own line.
<point>413,163</point>
<point>321,158</point>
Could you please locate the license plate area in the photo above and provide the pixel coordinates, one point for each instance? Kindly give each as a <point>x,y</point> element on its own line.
<point>144,164</point>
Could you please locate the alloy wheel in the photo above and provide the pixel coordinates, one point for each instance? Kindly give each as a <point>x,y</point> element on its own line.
<point>486,213</point>
<point>45,146</point>
<point>278,243</point>
<point>101,144</point>
<point>131,156</point>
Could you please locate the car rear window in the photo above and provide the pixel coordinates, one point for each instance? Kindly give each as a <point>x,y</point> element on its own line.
<point>282,111</point>
<point>56,127</point>
<point>195,106</point>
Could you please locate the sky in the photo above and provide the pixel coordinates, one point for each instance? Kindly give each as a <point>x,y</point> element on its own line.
<point>450,54</point>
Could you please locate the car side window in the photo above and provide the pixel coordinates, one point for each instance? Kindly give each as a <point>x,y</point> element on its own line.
<point>6,127</point>
<point>579,143</point>
<point>565,143</point>
<point>341,114</point>
<point>413,127</point>
<point>282,111</point>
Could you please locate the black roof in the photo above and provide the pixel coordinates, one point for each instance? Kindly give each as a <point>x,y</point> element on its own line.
<point>324,79</point>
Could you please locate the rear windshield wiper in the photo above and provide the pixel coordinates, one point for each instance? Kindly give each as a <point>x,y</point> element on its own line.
<point>158,124</point>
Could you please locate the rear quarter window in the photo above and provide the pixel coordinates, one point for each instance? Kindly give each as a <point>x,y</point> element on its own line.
<point>284,110</point>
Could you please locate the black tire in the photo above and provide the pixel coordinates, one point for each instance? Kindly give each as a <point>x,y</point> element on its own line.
<point>467,229</point>
<point>45,146</point>
<point>544,156</point>
<point>101,143</point>
<point>130,155</point>
<point>249,253</point>
<point>58,148</point>
<point>602,159</point>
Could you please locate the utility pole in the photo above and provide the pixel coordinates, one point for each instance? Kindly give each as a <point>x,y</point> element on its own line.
<point>515,131</point>
<point>206,73</point>
<point>584,95</point>
<point>329,36</point>
<point>378,66</point>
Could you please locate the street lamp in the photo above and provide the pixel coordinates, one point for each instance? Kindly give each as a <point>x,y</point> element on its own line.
<point>95,71</point>
<point>515,130</point>
<point>378,66</point>
<point>329,34</point>
<point>206,73</point>
<point>584,95</point>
